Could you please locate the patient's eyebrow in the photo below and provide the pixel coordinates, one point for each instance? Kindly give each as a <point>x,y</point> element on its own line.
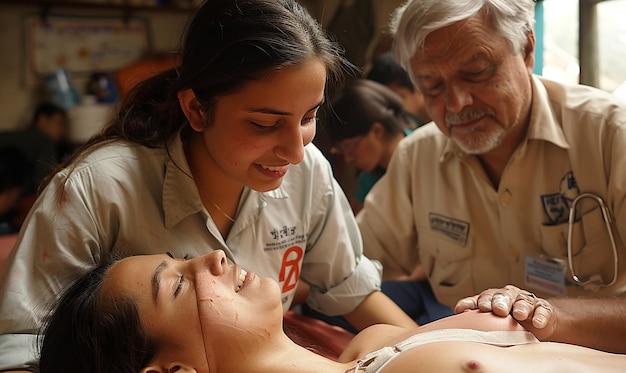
<point>156,280</point>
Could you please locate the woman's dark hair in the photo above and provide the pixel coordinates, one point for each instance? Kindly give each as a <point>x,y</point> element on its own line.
<point>385,70</point>
<point>227,44</point>
<point>86,333</point>
<point>47,109</point>
<point>362,103</point>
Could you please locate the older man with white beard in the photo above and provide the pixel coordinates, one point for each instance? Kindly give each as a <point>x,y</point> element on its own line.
<point>481,197</point>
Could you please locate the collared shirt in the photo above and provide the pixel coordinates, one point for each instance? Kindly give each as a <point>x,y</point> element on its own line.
<point>436,204</point>
<point>126,199</point>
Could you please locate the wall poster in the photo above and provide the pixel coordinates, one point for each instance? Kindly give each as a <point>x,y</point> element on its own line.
<point>83,44</point>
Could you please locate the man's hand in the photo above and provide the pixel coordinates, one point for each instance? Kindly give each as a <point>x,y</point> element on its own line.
<point>535,314</point>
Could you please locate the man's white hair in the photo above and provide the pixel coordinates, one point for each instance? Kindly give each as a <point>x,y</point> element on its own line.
<point>413,21</point>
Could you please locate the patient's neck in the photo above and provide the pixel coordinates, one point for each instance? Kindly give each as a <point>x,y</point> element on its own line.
<point>284,355</point>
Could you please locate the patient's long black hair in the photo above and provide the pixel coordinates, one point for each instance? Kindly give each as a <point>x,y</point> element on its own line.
<point>86,333</point>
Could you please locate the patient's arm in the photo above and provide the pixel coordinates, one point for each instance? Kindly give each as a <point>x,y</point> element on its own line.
<point>377,308</point>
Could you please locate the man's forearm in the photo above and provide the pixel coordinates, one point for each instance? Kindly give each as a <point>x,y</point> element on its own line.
<point>596,323</point>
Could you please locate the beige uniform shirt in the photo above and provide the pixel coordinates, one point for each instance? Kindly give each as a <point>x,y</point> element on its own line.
<point>435,204</point>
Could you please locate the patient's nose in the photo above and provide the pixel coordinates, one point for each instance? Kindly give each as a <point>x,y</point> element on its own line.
<point>215,261</point>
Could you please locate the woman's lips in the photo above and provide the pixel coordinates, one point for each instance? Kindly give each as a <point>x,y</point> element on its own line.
<point>273,171</point>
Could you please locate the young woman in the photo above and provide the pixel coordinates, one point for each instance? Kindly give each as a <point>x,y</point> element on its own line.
<point>214,154</point>
<point>159,314</point>
<point>367,122</point>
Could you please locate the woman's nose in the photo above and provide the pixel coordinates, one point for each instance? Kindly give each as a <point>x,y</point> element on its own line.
<point>293,141</point>
<point>215,261</point>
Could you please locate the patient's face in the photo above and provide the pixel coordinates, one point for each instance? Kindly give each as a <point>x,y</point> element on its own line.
<point>190,305</point>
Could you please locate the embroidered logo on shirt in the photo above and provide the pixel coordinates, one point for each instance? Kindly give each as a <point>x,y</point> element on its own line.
<point>556,205</point>
<point>457,230</point>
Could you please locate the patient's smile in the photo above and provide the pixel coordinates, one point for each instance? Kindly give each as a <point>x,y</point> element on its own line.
<point>242,278</point>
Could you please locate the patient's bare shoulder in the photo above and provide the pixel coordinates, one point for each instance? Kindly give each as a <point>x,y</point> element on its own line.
<point>371,339</point>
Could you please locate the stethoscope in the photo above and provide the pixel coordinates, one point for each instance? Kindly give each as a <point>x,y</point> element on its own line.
<point>593,281</point>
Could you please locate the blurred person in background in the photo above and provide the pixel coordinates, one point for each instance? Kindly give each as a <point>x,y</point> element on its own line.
<point>366,124</point>
<point>387,71</point>
<point>15,170</point>
<point>41,141</point>
<point>44,143</point>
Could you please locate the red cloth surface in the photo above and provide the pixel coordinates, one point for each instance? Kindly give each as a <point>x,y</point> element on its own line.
<point>317,335</point>
<point>6,244</point>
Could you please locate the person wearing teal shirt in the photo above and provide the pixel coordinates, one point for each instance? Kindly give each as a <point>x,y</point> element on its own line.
<point>366,180</point>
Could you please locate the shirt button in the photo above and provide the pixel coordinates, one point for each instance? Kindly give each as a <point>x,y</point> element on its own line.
<point>514,253</point>
<point>505,197</point>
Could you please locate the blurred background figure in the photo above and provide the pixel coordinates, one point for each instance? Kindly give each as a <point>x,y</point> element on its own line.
<point>387,71</point>
<point>42,141</point>
<point>44,144</point>
<point>361,26</point>
<point>15,170</point>
<point>366,124</point>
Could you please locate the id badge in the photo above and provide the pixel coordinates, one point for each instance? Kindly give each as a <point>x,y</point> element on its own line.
<point>545,275</point>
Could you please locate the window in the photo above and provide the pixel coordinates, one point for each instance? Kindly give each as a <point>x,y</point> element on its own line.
<point>561,38</point>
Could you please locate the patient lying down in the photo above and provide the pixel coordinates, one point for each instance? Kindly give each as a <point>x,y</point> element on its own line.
<point>155,314</point>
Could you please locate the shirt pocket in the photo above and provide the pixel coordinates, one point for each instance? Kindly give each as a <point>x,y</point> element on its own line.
<point>448,265</point>
<point>592,252</point>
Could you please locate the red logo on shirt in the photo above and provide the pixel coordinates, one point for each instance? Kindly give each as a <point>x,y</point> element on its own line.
<point>290,268</point>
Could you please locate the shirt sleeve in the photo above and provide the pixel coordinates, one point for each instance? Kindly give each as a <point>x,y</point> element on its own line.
<point>58,243</point>
<point>340,276</point>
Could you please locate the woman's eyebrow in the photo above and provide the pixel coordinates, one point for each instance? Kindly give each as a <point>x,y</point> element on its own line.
<point>266,110</point>
<point>156,280</point>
